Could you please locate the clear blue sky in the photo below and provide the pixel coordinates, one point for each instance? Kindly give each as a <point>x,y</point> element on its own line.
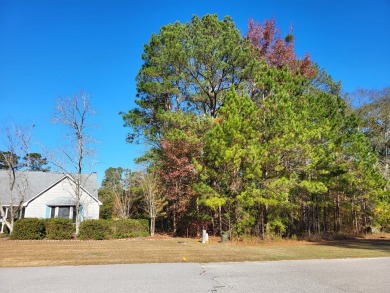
<point>52,48</point>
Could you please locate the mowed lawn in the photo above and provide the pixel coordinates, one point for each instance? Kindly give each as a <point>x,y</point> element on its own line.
<point>14,253</point>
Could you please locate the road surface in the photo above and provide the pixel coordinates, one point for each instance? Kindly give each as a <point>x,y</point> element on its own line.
<point>341,275</point>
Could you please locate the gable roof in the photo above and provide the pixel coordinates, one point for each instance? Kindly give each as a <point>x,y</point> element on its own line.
<point>41,181</point>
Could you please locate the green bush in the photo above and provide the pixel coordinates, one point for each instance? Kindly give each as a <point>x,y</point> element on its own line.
<point>125,228</point>
<point>59,229</point>
<point>94,229</point>
<point>29,228</point>
<point>105,211</point>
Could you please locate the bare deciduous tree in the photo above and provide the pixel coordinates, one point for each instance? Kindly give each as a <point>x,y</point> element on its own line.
<point>74,114</point>
<point>122,187</point>
<point>154,200</point>
<point>17,143</point>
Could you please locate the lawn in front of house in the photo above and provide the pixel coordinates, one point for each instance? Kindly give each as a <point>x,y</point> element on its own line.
<point>159,249</point>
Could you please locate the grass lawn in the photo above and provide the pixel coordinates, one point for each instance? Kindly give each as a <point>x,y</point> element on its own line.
<point>159,249</point>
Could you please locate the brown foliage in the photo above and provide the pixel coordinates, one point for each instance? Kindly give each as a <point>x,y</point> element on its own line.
<point>178,174</point>
<point>278,52</point>
<point>178,171</point>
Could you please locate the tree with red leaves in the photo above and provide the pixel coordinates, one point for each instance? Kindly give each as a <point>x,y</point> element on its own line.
<point>278,52</point>
<point>178,174</point>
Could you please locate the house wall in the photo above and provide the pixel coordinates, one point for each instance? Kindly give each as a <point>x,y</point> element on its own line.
<point>37,207</point>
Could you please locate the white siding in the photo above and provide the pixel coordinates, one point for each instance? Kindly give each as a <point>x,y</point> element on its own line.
<point>37,207</point>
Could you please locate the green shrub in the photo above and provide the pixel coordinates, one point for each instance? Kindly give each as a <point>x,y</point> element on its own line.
<point>29,228</point>
<point>125,228</point>
<point>94,229</point>
<point>105,211</point>
<point>58,228</point>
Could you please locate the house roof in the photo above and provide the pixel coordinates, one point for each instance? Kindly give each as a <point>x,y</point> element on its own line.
<point>62,201</point>
<point>40,181</point>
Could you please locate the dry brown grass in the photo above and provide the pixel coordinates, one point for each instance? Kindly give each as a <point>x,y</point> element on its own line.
<point>166,249</point>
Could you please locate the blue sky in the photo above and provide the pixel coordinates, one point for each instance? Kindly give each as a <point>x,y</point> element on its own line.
<point>58,48</point>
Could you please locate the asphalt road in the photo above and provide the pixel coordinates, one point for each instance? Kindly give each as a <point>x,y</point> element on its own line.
<point>342,275</point>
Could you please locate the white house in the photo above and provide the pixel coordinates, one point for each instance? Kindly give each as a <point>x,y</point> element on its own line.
<point>49,195</point>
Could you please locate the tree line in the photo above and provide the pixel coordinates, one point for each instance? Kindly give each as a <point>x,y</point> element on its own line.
<point>247,138</point>
<point>243,137</point>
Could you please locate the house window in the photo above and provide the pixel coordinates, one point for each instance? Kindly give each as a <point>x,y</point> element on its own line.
<point>64,212</point>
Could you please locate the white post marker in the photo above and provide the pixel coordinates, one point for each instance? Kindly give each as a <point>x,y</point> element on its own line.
<point>205,236</point>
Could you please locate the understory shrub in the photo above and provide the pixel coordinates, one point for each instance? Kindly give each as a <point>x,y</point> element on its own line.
<point>94,229</point>
<point>125,228</point>
<point>29,229</point>
<point>59,229</point>
<point>105,211</point>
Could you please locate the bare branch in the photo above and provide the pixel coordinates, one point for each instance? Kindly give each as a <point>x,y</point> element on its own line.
<point>74,114</point>
<point>16,140</point>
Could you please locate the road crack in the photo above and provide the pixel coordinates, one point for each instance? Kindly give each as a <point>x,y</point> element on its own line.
<point>216,287</point>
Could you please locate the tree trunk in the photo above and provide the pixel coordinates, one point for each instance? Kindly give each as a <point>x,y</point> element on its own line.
<point>197,218</point>
<point>262,222</point>
<point>152,225</point>
<point>337,214</point>
<point>78,198</point>
<point>220,219</point>
<point>77,219</point>
<point>174,220</point>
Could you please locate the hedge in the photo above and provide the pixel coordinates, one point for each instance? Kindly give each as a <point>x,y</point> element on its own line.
<point>94,229</point>
<point>59,229</point>
<point>29,229</point>
<point>105,229</point>
<point>33,228</point>
<point>125,228</point>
